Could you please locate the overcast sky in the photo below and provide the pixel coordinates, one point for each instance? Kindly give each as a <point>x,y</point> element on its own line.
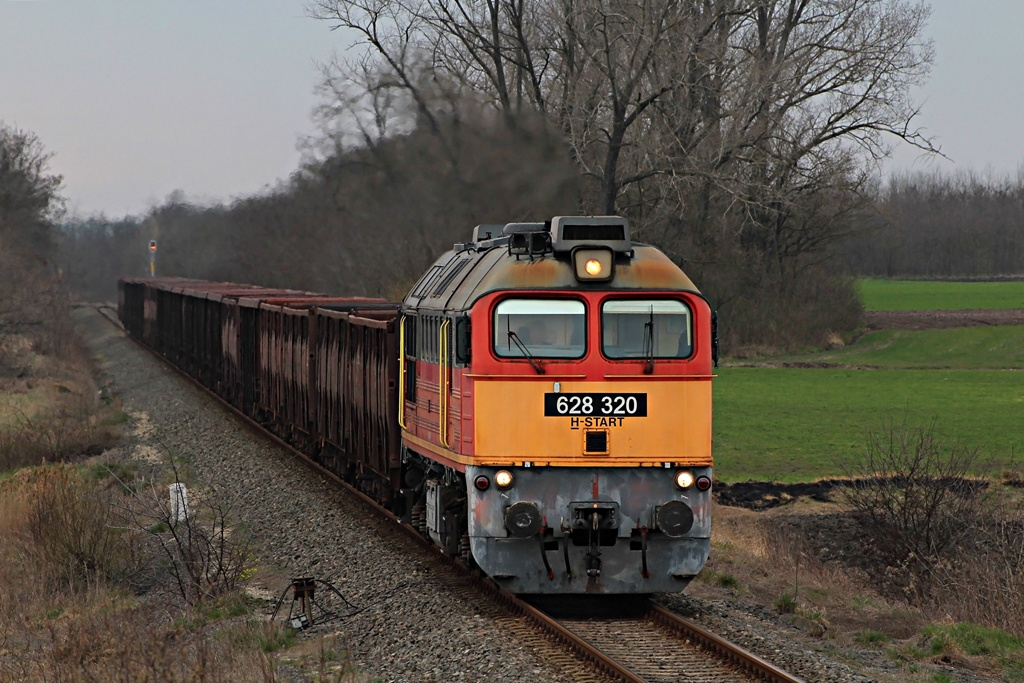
<point>136,99</point>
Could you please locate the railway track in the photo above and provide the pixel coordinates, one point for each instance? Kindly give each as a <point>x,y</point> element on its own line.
<point>660,646</point>
<point>654,646</point>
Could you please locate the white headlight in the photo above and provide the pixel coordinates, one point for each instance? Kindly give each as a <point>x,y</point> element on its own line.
<point>684,479</point>
<point>503,479</point>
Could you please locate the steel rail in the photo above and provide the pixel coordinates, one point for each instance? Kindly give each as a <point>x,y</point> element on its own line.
<point>742,658</point>
<point>722,648</point>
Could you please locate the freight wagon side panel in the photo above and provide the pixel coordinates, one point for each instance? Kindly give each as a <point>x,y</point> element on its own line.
<point>356,389</point>
<point>131,306</point>
<point>267,363</point>
<point>230,356</point>
<point>248,356</point>
<point>286,370</point>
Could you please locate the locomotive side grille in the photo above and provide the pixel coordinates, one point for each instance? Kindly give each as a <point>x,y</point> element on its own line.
<point>595,442</point>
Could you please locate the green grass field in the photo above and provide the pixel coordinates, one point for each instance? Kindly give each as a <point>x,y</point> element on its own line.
<point>960,348</point>
<point>797,424</point>
<point>922,295</point>
<point>800,423</point>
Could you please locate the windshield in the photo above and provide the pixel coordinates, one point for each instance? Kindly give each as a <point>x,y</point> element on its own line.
<point>543,328</point>
<point>646,328</point>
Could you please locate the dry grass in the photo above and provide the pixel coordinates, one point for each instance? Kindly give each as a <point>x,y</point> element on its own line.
<point>61,617</point>
<point>84,638</point>
<point>765,557</point>
<point>806,562</point>
<point>66,609</point>
<point>983,583</point>
<point>85,591</point>
<point>51,409</point>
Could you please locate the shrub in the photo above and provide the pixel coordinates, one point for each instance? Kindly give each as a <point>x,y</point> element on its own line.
<point>785,604</point>
<point>985,583</point>
<point>204,553</point>
<point>726,580</point>
<point>870,637</point>
<point>918,501</point>
<point>69,527</point>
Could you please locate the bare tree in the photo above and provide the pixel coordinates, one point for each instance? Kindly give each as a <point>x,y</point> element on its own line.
<point>29,196</point>
<point>203,552</point>
<point>759,93</point>
<point>739,135</point>
<point>918,500</point>
<point>31,297</point>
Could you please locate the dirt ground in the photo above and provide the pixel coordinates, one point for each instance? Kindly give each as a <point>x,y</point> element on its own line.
<point>933,320</point>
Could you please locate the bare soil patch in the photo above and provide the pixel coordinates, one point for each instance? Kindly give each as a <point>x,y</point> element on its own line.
<point>935,320</point>
<point>764,495</point>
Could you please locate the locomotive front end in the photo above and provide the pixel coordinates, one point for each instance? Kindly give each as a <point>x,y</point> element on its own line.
<point>590,529</point>
<point>573,410</point>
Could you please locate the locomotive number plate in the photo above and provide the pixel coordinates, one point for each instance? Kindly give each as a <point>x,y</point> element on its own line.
<point>595,405</point>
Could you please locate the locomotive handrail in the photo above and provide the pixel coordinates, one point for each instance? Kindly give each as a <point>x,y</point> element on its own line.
<point>547,378</point>
<point>650,377</point>
<point>443,383</point>
<point>401,373</point>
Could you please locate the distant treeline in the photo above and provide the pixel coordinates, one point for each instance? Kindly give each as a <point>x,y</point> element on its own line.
<point>363,221</point>
<point>938,225</point>
<point>370,221</point>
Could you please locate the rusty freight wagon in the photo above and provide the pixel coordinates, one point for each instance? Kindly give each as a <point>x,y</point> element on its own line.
<point>311,368</point>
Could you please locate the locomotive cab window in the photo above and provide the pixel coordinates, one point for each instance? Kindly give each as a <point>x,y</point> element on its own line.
<point>646,328</point>
<point>540,328</point>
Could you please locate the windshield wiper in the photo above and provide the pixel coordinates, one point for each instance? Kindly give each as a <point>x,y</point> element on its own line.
<point>649,344</point>
<point>526,352</point>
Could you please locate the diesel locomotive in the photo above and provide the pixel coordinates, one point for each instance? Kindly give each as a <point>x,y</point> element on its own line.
<point>539,403</point>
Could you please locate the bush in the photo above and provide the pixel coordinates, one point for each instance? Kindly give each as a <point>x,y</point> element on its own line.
<point>201,551</point>
<point>984,584</point>
<point>785,604</point>
<point>918,501</point>
<point>69,527</point>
